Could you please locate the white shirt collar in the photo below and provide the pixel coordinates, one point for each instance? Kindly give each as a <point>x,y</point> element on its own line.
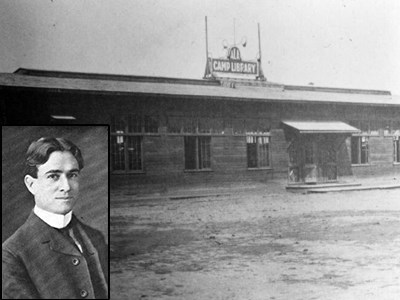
<point>52,219</point>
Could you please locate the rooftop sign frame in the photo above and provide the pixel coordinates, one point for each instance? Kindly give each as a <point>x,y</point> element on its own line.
<point>232,66</point>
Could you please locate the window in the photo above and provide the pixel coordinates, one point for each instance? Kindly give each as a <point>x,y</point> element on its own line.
<point>197,152</point>
<point>127,140</point>
<point>257,151</point>
<point>134,124</point>
<point>359,150</point>
<point>126,153</point>
<point>396,145</point>
<point>177,124</point>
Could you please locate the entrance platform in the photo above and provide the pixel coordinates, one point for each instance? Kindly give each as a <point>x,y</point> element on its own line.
<point>307,188</point>
<point>339,187</point>
<point>354,188</point>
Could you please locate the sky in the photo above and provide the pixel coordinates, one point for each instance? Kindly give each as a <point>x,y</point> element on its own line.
<point>330,43</point>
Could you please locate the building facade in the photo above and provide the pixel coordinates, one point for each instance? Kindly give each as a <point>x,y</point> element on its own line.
<point>180,131</point>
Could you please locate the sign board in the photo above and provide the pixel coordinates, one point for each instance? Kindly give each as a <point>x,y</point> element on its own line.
<point>233,64</point>
<point>235,67</point>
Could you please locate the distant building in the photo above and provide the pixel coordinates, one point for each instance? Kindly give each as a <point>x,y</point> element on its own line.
<point>166,130</point>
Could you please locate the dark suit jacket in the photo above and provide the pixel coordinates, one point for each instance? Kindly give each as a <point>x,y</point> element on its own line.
<point>40,263</point>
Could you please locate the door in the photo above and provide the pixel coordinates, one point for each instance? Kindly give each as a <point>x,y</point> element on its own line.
<point>294,168</point>
<point>327,162</point>
<point>310,166</point>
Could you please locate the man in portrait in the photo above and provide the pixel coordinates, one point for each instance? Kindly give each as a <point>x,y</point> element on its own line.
<point>53,255</point>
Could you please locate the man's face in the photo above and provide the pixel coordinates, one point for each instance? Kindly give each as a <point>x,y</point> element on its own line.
<point>56,187</point>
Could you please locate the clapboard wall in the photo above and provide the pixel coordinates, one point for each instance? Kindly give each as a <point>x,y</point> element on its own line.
<point>164,152</point>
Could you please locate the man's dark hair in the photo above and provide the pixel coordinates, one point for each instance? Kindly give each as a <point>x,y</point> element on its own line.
<point>39,152</point>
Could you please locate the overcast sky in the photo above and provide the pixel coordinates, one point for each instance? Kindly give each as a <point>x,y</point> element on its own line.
<point>334,43</point>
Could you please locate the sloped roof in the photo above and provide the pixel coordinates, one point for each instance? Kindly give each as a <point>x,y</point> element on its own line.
<point>120,84</point>
<point>321,126</point>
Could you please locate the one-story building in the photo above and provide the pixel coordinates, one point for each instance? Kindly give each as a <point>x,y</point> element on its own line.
<point>216,129</point>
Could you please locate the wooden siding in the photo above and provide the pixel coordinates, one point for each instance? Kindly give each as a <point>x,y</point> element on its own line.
<point>163,152</point>
<point>163,155</point>
<point>229,154</point>
<point>279,155</point>
<point>381,150</point>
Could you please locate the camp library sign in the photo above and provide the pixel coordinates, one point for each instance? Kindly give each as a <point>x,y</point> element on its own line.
<point>234,64</point>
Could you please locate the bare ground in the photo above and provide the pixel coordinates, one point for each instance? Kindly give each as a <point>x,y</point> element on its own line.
<point>257,244</point>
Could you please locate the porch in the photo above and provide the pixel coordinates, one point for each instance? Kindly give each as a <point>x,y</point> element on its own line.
<point>313,151</point>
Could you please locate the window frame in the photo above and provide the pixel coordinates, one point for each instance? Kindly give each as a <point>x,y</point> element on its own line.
<point>125,125</point>
<point>198,154</point>
<point>396,149</point>
<point>257,138</point>
<point>360,150</point>
<point>126,138</point>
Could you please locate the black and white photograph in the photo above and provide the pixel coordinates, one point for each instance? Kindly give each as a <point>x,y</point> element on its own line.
<point>232,149</point>
<point>55,212</point>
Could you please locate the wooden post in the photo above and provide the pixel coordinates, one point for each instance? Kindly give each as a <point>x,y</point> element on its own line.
<point>261,73</point>
<point>207,72</point>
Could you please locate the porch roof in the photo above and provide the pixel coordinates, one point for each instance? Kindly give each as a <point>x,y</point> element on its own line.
<point>321,127</point>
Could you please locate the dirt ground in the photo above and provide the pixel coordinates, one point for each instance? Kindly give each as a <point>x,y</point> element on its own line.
<point>261,243</point>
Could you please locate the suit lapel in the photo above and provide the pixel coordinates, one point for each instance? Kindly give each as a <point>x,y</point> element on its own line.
<point>59,243</point>
<point>51,236</point>
<point>90,249</point>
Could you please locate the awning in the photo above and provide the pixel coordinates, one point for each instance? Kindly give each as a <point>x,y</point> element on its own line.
<point>321,127</point>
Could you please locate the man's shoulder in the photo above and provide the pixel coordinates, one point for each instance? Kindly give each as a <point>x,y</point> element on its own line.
<point>26,233</point>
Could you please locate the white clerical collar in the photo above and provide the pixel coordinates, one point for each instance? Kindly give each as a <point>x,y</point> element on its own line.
<point>52,219</point>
